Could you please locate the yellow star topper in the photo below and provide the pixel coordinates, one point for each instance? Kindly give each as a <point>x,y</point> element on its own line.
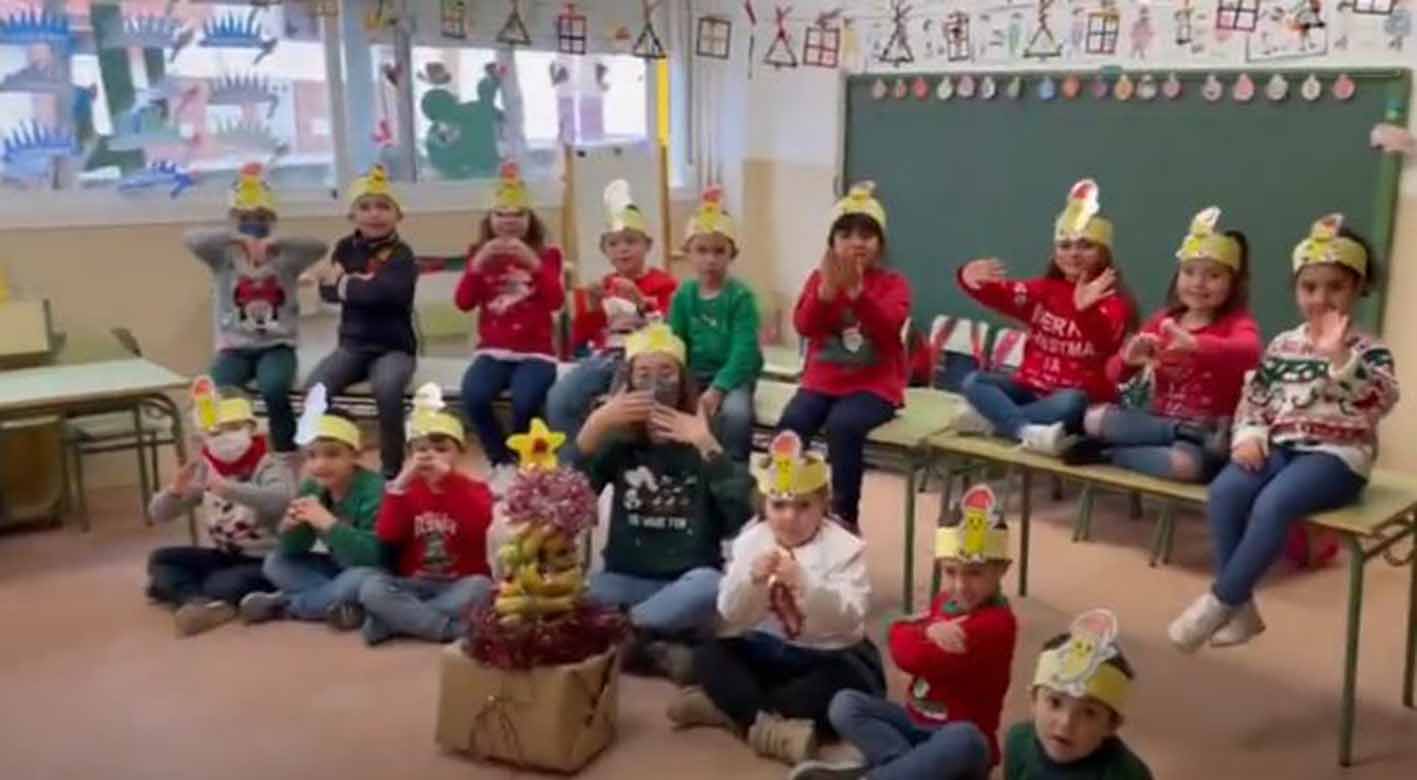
<point>536,449</point>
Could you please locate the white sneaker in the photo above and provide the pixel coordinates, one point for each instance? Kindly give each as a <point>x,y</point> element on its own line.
<point>1045,439</point>
<point>969,422</point>
<point>1244,625</point>
<point>1198,623</point>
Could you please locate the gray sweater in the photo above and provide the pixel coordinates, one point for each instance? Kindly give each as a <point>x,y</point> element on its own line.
<point>247,522</point>
<point>254,308</point>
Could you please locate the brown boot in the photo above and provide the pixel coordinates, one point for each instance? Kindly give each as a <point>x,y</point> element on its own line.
<point>194,617</point>
<point>692,707</point>
<point>788,740</point>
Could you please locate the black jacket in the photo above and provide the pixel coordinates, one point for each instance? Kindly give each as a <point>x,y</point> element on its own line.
<point>376,313</point>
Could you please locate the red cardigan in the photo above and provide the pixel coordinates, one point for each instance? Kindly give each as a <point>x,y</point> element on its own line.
<point>518,306</point>
<point>1205,384</point>
<point>871,324</point>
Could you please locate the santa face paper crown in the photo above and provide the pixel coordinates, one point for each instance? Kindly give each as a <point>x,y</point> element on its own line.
<point>314,424</point>
<point>656,337</point>
<point>1080,220</point>
<point>861,199</point>
<point>428,417</point>
<point>1325,246</point>
<point>980,535</point>
<point>210,411</point>
<point>1204,242</point>
<point>250,192</point>
<point>711,218</point>
<point>621,211</point>
<point>788,471</point>
<point>1078,667</point>
<point>374,183</point>
<point>511,192</point>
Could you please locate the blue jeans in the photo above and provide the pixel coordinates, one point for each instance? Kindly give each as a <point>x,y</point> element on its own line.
<point>1146,442</point>
<point>435,610</point>
<point>1010,406</point>
<point>848,420</point>
<point>1251,512</point>
<point>528,382</point>
<point>665,606</point>
<point>314,582</point>
<point>273,369</point>
<point>388,374</point>
<point>733,425</point>
<point>898,749</point>
<point>568,404</point>
<point>177,575</point>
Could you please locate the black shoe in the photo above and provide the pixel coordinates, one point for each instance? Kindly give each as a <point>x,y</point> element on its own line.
<point>1214,441</point>
<point>345,616</point>
<point>1085,452</point>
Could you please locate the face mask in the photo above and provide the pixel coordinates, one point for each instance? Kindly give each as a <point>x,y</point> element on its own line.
<point>255,228</point>
<point>228,447</point>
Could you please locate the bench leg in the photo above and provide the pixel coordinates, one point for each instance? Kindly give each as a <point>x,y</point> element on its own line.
<point>1082,524</point>
<point>1026,507</point>
<point>946,491</point>
<point>1163,535</point>
<point>1407,669</point>
<point>1356,562</point>
<point>908,579</point>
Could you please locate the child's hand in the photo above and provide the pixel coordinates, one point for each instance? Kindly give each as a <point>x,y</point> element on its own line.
<point>185,477</point>
<point>830,282</point>
<point>764,567</point>
<point>1248,454</point>
<point>312,513</point>
<point>628,408</point>
<point>984,270</point>
<point>1140,349</point>
<point>692,429</point>
<point>624,288</point>
<point>789,573</point>
<point>1179,341</point>
<point>948,635</point>
<point>710,401</point>
<point>1328,332</point>
<point>1087,293</point>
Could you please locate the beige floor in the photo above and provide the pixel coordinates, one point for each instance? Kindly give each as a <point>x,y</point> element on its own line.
<point>93,684</point>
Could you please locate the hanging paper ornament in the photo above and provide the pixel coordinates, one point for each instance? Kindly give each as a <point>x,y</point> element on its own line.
<point>965,87</point>
<point>714,38</point>
<point>879,89</point>
<point>513,32</point>
<point>1277,89</point>
<point>1044,44</point>
<point>897,51</point>
<point>958,47</point>
<point>647,46</point>
<point>752,33</point>
<point>781,53</point>
<point>900,90</point>
<point>1072,86</point>
<point>1344,88</point>
<point>1099,88</point>
<point>1212,90</point>
<point>1171,88</point>
<point>821,43</point>
<point>1147,88</point>
<point>453,18</point>
<point>1124,89</point>
<point>1312,89</point>
<point>988,88</point>
<point>920,88</point>
<point>571,34</point>
<point>946,90</point>
<point>1047,88</point>
<point>1244,89</point>
<point>1015,88</point>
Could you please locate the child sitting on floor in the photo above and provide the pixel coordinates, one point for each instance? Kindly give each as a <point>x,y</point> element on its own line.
<point>434,522</point>
<point>958,657</point>
<point>242,490</point>
<point>797,593</point>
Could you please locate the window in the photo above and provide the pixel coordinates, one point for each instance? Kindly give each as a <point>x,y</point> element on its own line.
<point>957,44</point>
<point>1102,30</point>
<point>1240,15</point>
<point>714,38</point>
<point>1373,7</point>
<point>821,47</point>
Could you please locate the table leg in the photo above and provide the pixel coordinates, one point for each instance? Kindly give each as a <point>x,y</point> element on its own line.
<point>1356,562</point>
<point>908,581</point>
<point>143,483</point>
<point>1407,669</point>
<point>1082,524</point>
<point>1026,509</point>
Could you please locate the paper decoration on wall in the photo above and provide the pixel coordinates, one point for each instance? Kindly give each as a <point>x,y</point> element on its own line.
<point>1306,16</point>
<point>239,90</point>
<point>1171,88</point>
<point>163,174</point>
<point>781,53</point>
<point>1392,138</point>
<point>229,31</point>
<point>1370,7</point>
<point>648,46</point>
<point>1244,89</point>
<point>988,88</point>
<point>1015,88</point>
<point>31,153</point>
<point>37,79</point>
<point>462,138</point>
<point>29,27</point>
<point>1344,88</point>
<point>513,32</point>
<point>1043,44</point>
<point>1277,89</point>
<point>946,90</point>
<point>1047,88</point>
<point>900,90</point>
<point>384,14</point>
<point>1147,88</point>
<point>1184,16</point>
<point>966,86</point>
<point>1124,89</point>
<point>752,33</point>
<point>1072,86</point>
<point>821,43</point>
<point>1397,26</point>
<point>920,88</point>
<point>1103,27</point>
<point>1142,33</point>
<point>957,43</point>
<point>897,51</point>
<point>143,126</point>
<point>1099,87</point>
<point>1312,89</point>
<point>453,18</point>
<point>879,89</point>
<point>714,38</point>
<point>149,31</point>
<point>1237,15</point>
<point>571,31</point>
<point>1212,90</point>
<point>248,135</point>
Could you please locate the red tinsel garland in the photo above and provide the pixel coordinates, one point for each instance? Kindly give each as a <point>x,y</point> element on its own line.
<point>561,497</point>
<point>566,639</point>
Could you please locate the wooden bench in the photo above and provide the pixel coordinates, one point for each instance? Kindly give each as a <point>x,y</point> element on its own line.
<point>1384,516</point>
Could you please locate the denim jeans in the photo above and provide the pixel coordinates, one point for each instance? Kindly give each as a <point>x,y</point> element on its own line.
<point>1251,512</point>
<point>388,374</point>
<point>1010,406</point>
<point>177,575</point>
<point>528,382</point>
<point>568,404</point>
<point>1147,443</point>
<point>733,425</point>
<point>848,420</point>
<point>898,749</point>
<point>435,610</point>
<point>273,368</point>
<point>314,582</point>
<point>665,606</point>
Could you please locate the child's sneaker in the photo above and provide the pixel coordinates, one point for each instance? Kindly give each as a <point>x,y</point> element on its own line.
<point>789,740</point>
<point>1045,439</point>
<point>1199,622</point>
<point>258,607</point>
<point>692,707</point>
<point>969,422</point>
<point>673,660</point>
<point>344,616</point>
<point>194,617</point>
<point>1085,452</point>
<point>1244,625</point>
<point>828,770</point>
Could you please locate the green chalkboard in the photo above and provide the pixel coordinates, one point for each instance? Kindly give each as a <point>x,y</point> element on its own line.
<point>967,178</point>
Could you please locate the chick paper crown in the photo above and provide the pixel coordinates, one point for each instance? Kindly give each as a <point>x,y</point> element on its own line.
<point>861,199</point>
<point>1078,667</point>
<point>429,417</point>
<point>980,535</point>
<point>711,218</point>
<point>1325,245</point>
<point>1080,218</point>
<point>511,192</point>
<point>655,337</point>
<point>621,211</point>
<point>315,424</point>
<point>375,182</point>
<point>250,192</point>
<point>1204,242</point>
<point>210,411</point>
<point>788,471</point>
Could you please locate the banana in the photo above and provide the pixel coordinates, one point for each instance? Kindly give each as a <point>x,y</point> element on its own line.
<point>564,561</point>
<point>511,605</point>
<point>556,543</point>
<point>551,606</point>
<point>509,555</point>
<point>561,583</point>
<point>511,587</point>
<point>530,578</point>
<point>531,542</point>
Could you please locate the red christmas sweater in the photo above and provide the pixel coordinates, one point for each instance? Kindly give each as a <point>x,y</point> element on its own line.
<point>518,305</point>
<point>951,687</point>
<point>855,346</point>
<point>442,535</point>
<point>1205,384</point>
<point>590,325</point>
<point>1066,348</point>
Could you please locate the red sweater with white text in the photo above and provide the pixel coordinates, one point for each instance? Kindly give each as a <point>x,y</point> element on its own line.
<point>855,346</point>
<point>518,305</point>
<point>442,535</point>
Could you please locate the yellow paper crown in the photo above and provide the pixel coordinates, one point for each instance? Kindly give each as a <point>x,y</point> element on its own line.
<point>375,182</point>
<point>1203,242</point>
<point>1325,245</point>
<point>621,211</point>
<point>511,192</point>
<point>1079,667</point>
<point>1080,218</point>
<point>212,411</point>
<point>861,199</point>
<point>314,424</point>
<point>980,535</point>
<point>787,470</point>
<point>536,449</point>
<point>338,429</point>
<point>655,337</point>
<point>251,192</point>
<point>429,417</point>
<point>711,218</point>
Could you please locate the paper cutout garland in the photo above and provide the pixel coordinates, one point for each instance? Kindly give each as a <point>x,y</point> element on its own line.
<point>1312,89</point>
<point>1277,89</point>
<point>1072,87</point>
<point>1212,90</point>
<point>946,89</point>
<point>988,88</point>
<point>966,86</point>
<point>1244,89</point>
<point>921,88</point>
<point>1015,88</point>
<point>1344,88</point>
<point>1047,88</point>
<point>1171,88</point>
<point>1124,89</point>
<point>1146,88</point>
